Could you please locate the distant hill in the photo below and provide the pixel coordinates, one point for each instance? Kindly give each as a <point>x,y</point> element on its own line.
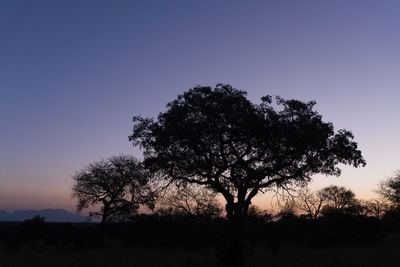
<point>50,215</point>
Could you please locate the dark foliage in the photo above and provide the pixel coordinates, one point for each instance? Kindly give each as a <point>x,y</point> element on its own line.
<point>194,232</point>
<point>218,138</point>
<point>118,184</point>
<point>390,189</point>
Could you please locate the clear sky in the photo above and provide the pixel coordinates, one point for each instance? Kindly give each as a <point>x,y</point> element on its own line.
<point>73,73</point>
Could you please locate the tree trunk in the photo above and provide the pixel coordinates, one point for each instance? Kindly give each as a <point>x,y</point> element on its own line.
<point>237,212</point>
<point>105,213</point>
<point>233,247</point>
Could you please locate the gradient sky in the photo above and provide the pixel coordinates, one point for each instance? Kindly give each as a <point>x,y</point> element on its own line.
<point>73,73</point>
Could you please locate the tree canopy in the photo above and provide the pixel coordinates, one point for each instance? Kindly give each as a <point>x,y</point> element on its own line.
<point>338,197</point>
<point>330,199</point>
<point>216,137</point>
<point>390,189</point>
<point>119,185</point>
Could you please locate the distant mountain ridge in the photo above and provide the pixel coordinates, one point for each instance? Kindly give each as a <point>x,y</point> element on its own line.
<point>50,215</point>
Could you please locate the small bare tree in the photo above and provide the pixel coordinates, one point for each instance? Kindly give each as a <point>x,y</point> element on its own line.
<point>310,202</point>
<point>191,200</point>
<point>375,207</point>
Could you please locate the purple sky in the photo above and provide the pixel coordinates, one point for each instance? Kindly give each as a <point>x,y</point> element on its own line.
<point>73,73</point>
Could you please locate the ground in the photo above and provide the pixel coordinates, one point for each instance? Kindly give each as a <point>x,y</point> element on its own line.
<point>385,254</point>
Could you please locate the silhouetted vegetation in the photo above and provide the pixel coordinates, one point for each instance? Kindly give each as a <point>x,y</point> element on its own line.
<point>264,235</point>
<point>190,200</point>
<point>218,138</point>
<point>119,185</point>
<point>213,142</point>
<point>215,137</point>
<point>390,189</point>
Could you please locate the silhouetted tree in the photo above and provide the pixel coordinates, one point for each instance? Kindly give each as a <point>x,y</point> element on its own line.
<point>338,196</point>
<point>329,199</point>
<point>375,207</point>
<point>340,199</point>
<point>390,189</point>
<point>118,184</point>
<point>191,200</point>
<point>218,138</point>
<point>312,203</point>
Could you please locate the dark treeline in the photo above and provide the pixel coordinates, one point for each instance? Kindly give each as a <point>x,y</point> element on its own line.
<point>196,232</point>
